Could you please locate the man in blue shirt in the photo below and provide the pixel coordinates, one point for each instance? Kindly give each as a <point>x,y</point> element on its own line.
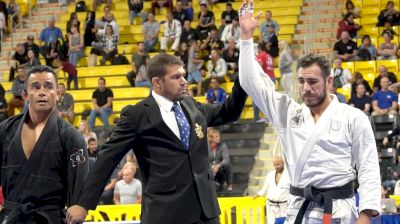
<point>384,102</point>
<point>264,33</point>
<point>49,35</point>
<point>215,95</point>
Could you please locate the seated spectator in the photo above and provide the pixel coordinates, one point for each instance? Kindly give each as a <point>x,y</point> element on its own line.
<point>231,31</point>
<point>107,198</point>
<point>347,24</point>
<point>13,7</point>
<point>265,33</point>
<point>389,14</point>
<point>96,3</point>
<point>345,48</point>
<point>69,69</point>
<point>219,159</point>
<point>49,35</point>
<point>359,79</point>
<point>216,67</point>
<point>90,29</point>
<point>367,50</point>
<point>136,10</point>
<point>360,100</point>
<point>387,50</point>
<point>65,104</point>
<point>3,105</point>
<point>215,94</point>
<point>285,66</point>
<point>92,151</point>
<point>389,29</point>
<point>272,44</point>
<point>194,66</point>
<point>32,60</point>
<point>168,4</point>
<point>129,189</point>
<point>75,46</point>
<point>109,46</point>
<point>20,57</point>
<point>30,45</point>
<point>172,33</point>
<point>183,54</point>
<point>151,29</point>
<point>179,13</point>
<point>188,7</point>
<point>109,19</point>
<point>101,22</point>
<point>188,33</point>
<point>231,57</point>
<point>341,76</point>
<point>142,78</point>
<point>212,42</point>
<point>229,14</point>
<point>384,102</point>
<point>351,8</point>
<point>221,28</point>
<point>206,22</point>
<point>383,72</point>
<point>17,87</point>
<point>73,21</point>
<point>102,104</point>
<point>138,59</point>
<point>53,52</point>
<point>84,129</point>
<point>333,90</point>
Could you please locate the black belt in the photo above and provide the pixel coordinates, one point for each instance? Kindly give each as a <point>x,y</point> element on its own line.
<point>18,211</point>
<point>276,202</point>
<point>323,197</point>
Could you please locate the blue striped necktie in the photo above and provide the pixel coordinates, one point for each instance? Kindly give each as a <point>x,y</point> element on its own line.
<point>183,124</point>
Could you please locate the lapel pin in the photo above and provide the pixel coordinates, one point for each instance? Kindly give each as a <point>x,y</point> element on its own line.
<point>199,131</point>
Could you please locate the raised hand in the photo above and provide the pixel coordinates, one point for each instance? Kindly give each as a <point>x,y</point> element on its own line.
<point>246,19</point>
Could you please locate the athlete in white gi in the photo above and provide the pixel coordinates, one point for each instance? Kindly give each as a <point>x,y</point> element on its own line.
<point>325,142</point>
<point>276,187</point>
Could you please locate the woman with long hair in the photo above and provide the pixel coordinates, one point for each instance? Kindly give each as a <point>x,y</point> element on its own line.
<point>387,50</point>
<point>90,29</point>
<point>347,24</point>
<point>85,131</point>
<point>32,60</point>
<point>75,46</point>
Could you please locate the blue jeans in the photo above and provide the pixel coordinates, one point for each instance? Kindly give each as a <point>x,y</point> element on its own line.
<point>133,14</point>
<point>74,57</point>
<point>104,115</point>
<point>150,44</point>
<point>143,84</point>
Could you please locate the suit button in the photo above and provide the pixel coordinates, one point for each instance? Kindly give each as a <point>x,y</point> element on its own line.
<point>195,175</point>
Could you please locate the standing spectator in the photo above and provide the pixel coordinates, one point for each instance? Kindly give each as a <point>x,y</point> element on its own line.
<point>161,4</point>
<point>387,50</point>
<point>347,24</point>
<point>30,45</point>
<point>383,72</point>
<point>215,94</point>
<point>367,50</point>
<point>351,8</point>
<point>96,3</point>
<point>360,100</point>
<point>194,66</point>
<point>359,79</point>
<point>231,57</point>
<point>50,34</point>
<point>75,48</point>
<point>340,97</point>
<point>102,104</point>
<point>129,189</point>
<point>272,44</point>
<point>265,33</point>
<point>188,33</point>
<point>3,106</point>
<point>17,87</point>
<point>136,10</point>
<point>65,104</point>
<point>69,69</point>
<point>13,7</point>
<point>345,48</point>
<point>86,132</point>
<point>285,67</point>
<point>206,22</point>
<point>90,30</point>
<point>384,102</point>
<point>151,29</point>
<point>109,46</point>
<point>183,54</point>
<point>32,60</point>
<point>231,30</point>
<point>219,159</point>
<point>73,20</point>
<point>229,14</point>
<point>138,59</point>
<point>20,57</point>
<point>188,7</point>
<point>389,14</point>
<point>179,13</point>
<point>172,33</point>
<point>142,78</point>
<point>92,151</point>
<point>341,76</point>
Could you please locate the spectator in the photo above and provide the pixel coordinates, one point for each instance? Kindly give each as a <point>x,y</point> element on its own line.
<point>359,79</point>
<point>3,105</point>
<point>53,52</point>
<point>108,193</point>
<point>341,76</point>
<point>102,103</point>
<point>231,30</point>
<point>183,54</point>
<point>179,13</point>
<point>216,66</point>
<point>129,189</point>
<point>92,151</point>
<point>109,20</point>
<point>392,138</point>
<point>383,72</point>
<point>345,48</point>
<point>221,28</point>
<point>17,87</point>
<point>367,50</point>
<point>219,159</point>
<point>389,14</point>
<point>161,4</point>
<point>30,45</point>
<point>206,22</point>
<point>142,78</point>
<point>215,94</point>
<point>172,33</point>
<point>86,131</point>
<point>265,33</point>
<point>90,30</point>
<point>20,57</point>
<point>75,48</point>
<point>151,29</point>
<point>96,3</point>
<point>138,59</point>
<point>32,60</point>
<point>13,7</point>
<point>50,34</point>
<point>387,50</point>
<point>272,44</point>
<point>188,33</point>
<point>389,29</point>
<point>360,100</point>
<point>231,57</point>
<point>136,10</point>
<point>347,24</point>
<point>384,102</point>
<point>333,90</point>
<point>73,21</point>
<point>266,61</point>
<point>109,46</point>
<point>285,66</point>
<point>65,104</point>
<point>69,69</point>
<point>351,8</point>
<point>212,42</point>
<point>229,14</point>
<point>3,22</point>
<point>101,22</point>
<point>194,66</point>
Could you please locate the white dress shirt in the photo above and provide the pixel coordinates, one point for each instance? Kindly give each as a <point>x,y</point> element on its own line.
<point>167,114</point>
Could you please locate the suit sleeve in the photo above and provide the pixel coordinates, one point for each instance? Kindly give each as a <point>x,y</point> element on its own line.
<point>110,155</point>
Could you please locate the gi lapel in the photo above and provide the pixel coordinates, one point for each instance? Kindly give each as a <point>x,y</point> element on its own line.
<point>321,124</point>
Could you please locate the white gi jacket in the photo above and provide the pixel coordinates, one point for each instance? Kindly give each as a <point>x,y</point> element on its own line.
<point>343,140</point>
